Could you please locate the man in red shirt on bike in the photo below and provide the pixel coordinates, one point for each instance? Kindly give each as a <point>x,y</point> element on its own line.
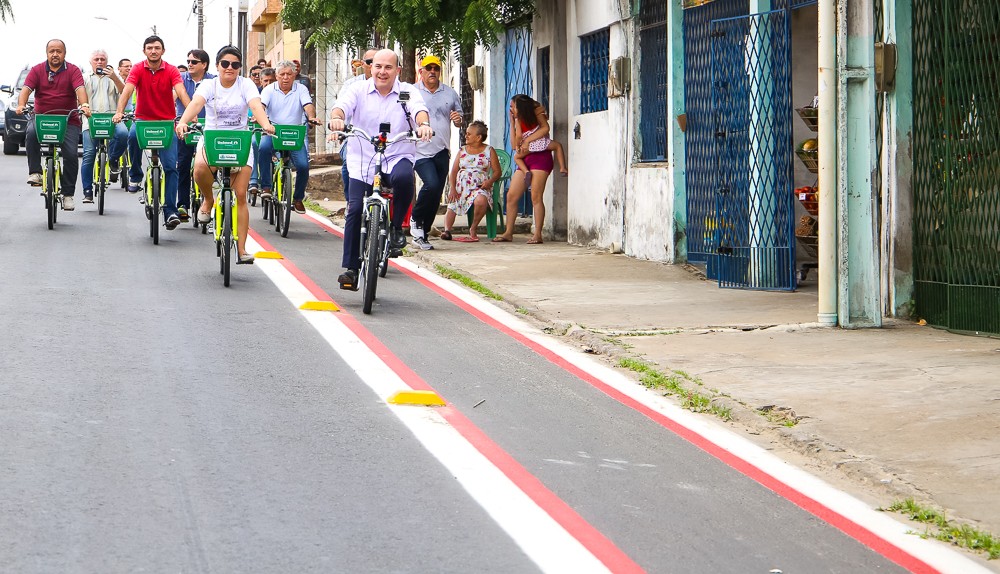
<point>156,82</point>
<point>58,87</point>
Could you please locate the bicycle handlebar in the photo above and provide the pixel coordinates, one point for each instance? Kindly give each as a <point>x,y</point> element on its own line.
<point>29,110</point>
<point>356,132</point>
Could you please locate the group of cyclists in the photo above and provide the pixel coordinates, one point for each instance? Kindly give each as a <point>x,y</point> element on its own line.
<point>153,89</point>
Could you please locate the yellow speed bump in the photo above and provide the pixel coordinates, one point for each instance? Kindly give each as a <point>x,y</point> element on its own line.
<point>319,306</point>
<point>425,398</point>
<point>268,255</point>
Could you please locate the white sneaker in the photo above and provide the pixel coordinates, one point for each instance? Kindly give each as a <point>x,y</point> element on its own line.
<point>67,203</point>
<point>422,243</point>
<point>35,179</point>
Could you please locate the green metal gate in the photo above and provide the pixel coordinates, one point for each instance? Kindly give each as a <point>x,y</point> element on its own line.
<point>956,163</point>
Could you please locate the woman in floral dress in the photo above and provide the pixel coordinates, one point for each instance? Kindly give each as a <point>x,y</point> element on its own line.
<point>475,170</point>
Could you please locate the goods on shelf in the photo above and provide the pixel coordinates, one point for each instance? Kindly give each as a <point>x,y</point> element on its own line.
<point>808,152</point>
<point>810,116</point>
<point>808,196</point>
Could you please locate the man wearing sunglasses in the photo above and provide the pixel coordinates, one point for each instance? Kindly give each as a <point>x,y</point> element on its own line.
<point>255,76</point>
<point>58,87</point>
<point>433,157</point>
<point>157,83</point>
<point>197,61</point>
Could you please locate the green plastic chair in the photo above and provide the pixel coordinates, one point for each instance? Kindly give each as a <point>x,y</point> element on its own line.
<point>495,217</point>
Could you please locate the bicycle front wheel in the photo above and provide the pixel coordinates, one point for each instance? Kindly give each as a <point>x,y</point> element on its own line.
<point>286,201</point>
<point>153,201</point>
<point>101,181</point>
<point>226,255</point>
<point>369,263</point>
<point>50,191</point>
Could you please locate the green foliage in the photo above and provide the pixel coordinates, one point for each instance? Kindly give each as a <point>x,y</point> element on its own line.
<point>6,10</point>
<point>946,531</point>
<point>432,24</point>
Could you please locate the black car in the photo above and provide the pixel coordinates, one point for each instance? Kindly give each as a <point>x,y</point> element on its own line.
<point>14,123</point>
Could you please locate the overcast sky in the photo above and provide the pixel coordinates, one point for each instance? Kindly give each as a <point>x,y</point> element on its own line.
<point>128,23</point>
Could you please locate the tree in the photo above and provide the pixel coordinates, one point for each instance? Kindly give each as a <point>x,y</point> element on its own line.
<point>432,24</point>
<point>6,10</point>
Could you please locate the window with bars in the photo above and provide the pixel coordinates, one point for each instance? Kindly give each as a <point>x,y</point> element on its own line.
<point>595,50</point>
<point>653,81</point>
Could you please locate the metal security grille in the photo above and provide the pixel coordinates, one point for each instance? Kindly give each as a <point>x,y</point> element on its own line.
<point>956,164</point>
<point>543,79</point>
<point>467,58</point>
<point>700,133</point>
<point>653,80</point>
<point>595,54</point>
<point>517,73</point>
<point>751,95</point>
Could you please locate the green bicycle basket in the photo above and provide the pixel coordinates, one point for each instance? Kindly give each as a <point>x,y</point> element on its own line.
<point>193,137</point>
<point>227,148</point>
<point>101,126</point>
<point>50,128</point>
<point>287,137</point>
<point>155,135</point>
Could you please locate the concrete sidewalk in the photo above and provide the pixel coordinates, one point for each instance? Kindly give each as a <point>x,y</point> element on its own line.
<point>885,414</point>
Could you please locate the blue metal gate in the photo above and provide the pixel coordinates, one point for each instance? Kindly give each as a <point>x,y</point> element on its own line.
<point>699,137</point>
<point>753,229</point>
<point>517,76</point>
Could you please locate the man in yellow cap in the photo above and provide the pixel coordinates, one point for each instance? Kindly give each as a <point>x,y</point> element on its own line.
<point>433,157</point>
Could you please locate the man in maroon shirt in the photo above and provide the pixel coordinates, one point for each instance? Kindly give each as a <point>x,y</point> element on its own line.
<point>58,88</point>
<point>156,82</point>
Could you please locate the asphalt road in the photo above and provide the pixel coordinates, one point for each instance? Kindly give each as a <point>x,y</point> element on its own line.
<point>153,420</point>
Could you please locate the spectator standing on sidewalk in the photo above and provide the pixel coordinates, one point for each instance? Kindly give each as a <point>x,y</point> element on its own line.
<point>198,62</point>
<point>445,108</point>
<point>58,87</point>
<point>366,73</point>
<point>103,88</point>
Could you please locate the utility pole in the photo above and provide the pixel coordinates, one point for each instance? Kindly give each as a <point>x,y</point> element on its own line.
<point>230,25</point>
<point>241,28</point>
<point>199,9</point>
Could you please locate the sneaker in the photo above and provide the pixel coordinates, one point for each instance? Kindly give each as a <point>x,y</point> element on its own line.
<point>172,222</point>
<point>397,238</point>
<point>265,194</point>
<point>204,217</point>
<point>298,206</point>
<point>88,196</point>
<point>133,186</point>
<point>182,213</point>
<point>115,169</point>
<point>422,243</point>
<point>35,179</point>
<point>67,203</point>
<point>348,280</point>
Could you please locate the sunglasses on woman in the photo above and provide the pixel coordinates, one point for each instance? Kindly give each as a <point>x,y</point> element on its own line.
<point>226,64</point>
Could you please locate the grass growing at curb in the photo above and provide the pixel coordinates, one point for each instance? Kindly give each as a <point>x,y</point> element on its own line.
<point>961,535</point>
<point>674,384</point>
<point>311,204</point>
<point>449,273</point>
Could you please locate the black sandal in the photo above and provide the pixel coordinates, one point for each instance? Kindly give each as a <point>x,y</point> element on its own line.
<point>446,235</point>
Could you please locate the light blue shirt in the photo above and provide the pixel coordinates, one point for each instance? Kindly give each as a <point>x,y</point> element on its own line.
<point>367,109</point>
<point>285,108</point>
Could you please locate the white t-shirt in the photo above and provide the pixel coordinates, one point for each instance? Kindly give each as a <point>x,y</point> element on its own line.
<point>226,108</point>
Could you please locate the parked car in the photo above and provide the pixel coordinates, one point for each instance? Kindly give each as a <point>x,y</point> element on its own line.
<point>15,124</point>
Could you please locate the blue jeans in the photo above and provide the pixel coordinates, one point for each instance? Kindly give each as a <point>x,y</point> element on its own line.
<point>116,147</point>
<point>343,172</point>
<point>401,182</point>
<point>255,174</point>
<point>185,156</point>
<point>433,171</point>
<point>300,159</point>
<point>168,161</point>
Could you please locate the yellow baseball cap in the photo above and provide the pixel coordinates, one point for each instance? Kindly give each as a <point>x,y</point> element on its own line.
<point>428,60</point>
